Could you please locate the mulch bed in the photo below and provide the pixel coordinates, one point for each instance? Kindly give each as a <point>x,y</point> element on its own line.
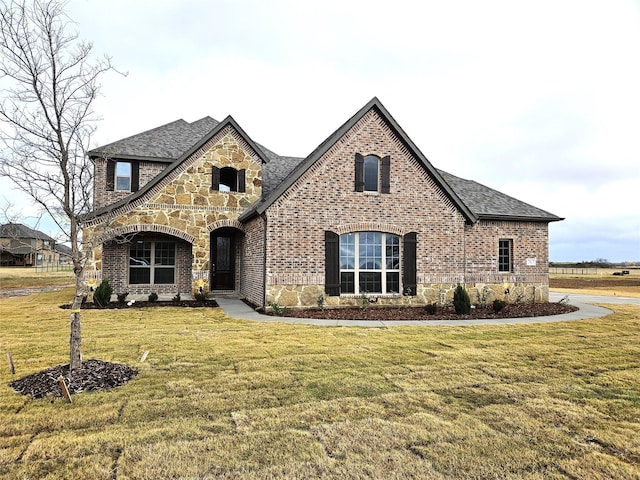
<point>92,375</point>
<point>520,310</point>
<point>209,303</point>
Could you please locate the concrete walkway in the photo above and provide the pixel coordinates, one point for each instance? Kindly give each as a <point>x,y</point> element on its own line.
<point>236,308</point>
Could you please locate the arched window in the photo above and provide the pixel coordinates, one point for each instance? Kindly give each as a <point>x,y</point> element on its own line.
<point>373,174</point>
<point>371,166</point>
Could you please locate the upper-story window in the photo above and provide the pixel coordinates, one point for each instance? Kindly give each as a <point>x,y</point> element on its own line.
<point>123,176</point>
<point>372,173</point>
<point>505,255</point>
<point>228,179</point>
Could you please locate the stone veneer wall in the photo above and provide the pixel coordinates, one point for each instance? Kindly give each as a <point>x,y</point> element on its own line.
<point>183,204</point>
<point>448,251</point>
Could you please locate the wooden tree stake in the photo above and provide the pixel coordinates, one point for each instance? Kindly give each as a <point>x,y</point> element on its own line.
<point>65,390</point>
<point>11,367</point>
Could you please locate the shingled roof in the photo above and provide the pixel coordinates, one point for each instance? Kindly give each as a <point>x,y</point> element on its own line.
<point>20,231</point>
<point>490,204</point>
<point>163,143</point>
<point>169,143</point>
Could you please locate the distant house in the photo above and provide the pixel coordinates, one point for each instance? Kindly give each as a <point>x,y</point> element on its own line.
<point>21,246</point>
<point>201,206</point>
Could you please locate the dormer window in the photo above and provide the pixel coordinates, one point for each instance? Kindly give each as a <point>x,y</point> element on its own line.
<point>228,179</point>
<point>123,176</point>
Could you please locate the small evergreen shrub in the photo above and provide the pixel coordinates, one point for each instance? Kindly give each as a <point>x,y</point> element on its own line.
<point>498,305</point>
<point>153,297</point>
<point>177,298</point>
<point>122,297</point>
<point>278,310</point>
<point>102,295</point>
<point>200,296</point>
<point>461,301</point>
<point>431,308</point>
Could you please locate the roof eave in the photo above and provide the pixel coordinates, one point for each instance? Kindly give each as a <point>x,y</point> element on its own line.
<point>520,218</point>
<point>93,155</point>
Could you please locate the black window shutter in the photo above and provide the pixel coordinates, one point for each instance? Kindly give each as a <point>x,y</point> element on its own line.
<point>359,173</point>
<point>241,181</point>
<point>409,280</point>
<point>331,263</point>
<point>135,176</point>
<point>386,174</point>
<point>215,178</point>
<point>111,175</point>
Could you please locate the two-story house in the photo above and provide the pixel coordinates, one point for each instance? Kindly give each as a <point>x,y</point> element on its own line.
<point>22,246</point>
<point>190,206</point>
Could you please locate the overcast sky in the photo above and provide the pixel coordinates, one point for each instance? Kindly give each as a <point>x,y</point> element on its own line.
<point>540,100</point>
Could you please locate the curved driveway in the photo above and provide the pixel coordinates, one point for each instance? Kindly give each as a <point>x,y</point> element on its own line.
<point>236,308</point>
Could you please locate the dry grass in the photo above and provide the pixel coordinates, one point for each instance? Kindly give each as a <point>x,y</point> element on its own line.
<point>27,277</point>
<point>223,398</point>
<point>601,284</point>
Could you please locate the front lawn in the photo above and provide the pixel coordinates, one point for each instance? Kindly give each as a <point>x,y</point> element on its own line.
<point>224,398</point>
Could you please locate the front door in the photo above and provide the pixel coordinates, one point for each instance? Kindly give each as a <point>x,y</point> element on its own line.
<point>223,253</point>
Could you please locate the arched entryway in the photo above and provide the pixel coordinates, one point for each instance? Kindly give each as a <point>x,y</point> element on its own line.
<point>226,247</point>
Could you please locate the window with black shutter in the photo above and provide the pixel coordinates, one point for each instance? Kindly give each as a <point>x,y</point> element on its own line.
<point>332,263</point>
<point>228,179</point>
<point>111,175</point>
<point>409,270</point>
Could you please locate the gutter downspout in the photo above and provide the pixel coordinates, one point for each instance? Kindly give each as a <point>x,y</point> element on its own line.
<point>264,262</point>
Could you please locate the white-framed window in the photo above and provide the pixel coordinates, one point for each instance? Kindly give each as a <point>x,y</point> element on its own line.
<point>505,255</point>
<point>123,176</point>
<point>369,263</point>
<point>152,262</point>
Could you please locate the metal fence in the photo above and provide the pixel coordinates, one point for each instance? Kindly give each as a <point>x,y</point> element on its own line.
<point>54,267</point>
<point>575,271</point>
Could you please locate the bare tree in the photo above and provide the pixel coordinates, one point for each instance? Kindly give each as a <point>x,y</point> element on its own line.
<point>49,82</point>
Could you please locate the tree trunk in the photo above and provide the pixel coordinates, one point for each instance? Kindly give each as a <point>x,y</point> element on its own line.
<point>75,340</point>
<point>75,355</point>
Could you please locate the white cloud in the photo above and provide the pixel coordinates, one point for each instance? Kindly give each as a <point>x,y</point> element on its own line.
<point>539,100</point>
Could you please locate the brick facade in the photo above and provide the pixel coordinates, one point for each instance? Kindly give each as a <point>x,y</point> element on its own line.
<point>448,251</point>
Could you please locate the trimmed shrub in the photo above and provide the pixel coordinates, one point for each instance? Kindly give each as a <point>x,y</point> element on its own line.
<point>431,308</point>
<point>498,305</point>
<point>461,301</point>
<point>153,297</point>
<point>102,295</point>
<point>122,297</point>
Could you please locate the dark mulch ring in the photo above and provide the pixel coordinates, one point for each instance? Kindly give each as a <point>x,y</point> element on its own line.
<point>92,375</point>
<point>519,310</point>
<point>210,303</point>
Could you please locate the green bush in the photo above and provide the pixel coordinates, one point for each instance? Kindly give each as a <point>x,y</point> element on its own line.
<point>461,301</point>
<point>431,308</point>
<point>498,305</point>
<point>122,297</point>
<point>153,297</point>
<point>102,295</point>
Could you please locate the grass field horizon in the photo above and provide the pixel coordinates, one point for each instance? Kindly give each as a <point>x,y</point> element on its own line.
<point>224,398</point>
